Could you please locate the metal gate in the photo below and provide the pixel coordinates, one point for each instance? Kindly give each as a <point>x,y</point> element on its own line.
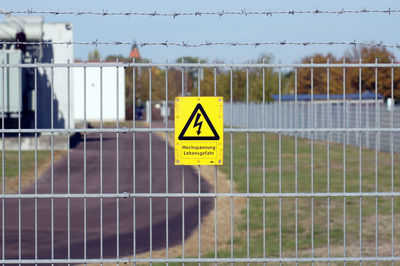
<point>282,196</point>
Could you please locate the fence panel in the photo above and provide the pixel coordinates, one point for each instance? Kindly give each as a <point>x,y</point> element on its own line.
<point>302,181</point>
<point>368,120</point>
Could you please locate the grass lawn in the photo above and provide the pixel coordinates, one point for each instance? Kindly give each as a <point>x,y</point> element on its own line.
<point>11,170</point>
<point>309,231</point>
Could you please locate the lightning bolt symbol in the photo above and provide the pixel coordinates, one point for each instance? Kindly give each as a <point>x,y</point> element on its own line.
<point>197,124</point>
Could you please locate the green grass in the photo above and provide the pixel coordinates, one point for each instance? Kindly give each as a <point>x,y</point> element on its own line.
<point>286,176</point>
<point>11,167</point>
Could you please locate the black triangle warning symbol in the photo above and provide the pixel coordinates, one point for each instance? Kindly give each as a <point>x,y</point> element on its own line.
<point>199,110</point>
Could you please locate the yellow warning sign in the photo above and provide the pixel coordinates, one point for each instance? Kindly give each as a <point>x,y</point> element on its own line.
<point>199,127</point>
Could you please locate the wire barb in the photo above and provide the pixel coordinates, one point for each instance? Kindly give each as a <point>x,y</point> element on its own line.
<point>203,44</point>
<point>221,13</point>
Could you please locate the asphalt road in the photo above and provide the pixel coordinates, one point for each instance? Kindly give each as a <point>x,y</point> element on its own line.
<point>59,248</point>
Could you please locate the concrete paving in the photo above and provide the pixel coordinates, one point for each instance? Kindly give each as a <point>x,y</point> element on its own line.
<point>109,218</point>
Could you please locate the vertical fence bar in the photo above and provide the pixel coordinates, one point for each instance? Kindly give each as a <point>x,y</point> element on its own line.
<point>338,121</point>
<point>296,166</point>
<point>376,161</point>
<point>117,155</point>
<point>367,124</point>
<point>328,135</point>
<point>379,126</point>
<point>271,110</point>
<point>344,159</point>
<point>392,160</point>
<point>36,158</point>
<point>150,164</point>
<point>231,135</point>
<point>84,164</point>
<point>263,156</point>
<point>360,157</point>
<point>292,116</point>
<point>280,162</point>
<point>117,95</point>
<point>166,163</point>
<point>183,173</point>
<point>216,184</point>
<point>321,120</point>
<point>348,109</point>
<point>69,162</point>
<point>276,115</point>
<point>101,161</point>
<point>199,168</point>
<point>284,115</point>
<point>52,157</point>
<point>3,165</point>
<point>247,167</point>
<point>134,163</point>
<point>19,170</point>
<point>312,160</point>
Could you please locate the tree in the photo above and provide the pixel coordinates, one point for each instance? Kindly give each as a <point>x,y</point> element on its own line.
<point>384,78</point>
<point>191,74</point>
<point>94,56</point>
<point>320,77</point>
<point>113,58</point>
<point>337,84</point>
<point>158,83</point>
<point>239,82</point>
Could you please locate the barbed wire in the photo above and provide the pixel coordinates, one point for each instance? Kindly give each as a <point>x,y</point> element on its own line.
<point>203,44</point>
<point>221,13</point>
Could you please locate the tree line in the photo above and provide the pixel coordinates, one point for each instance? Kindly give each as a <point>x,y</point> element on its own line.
<point>348,79</point>
<point>208,80</point>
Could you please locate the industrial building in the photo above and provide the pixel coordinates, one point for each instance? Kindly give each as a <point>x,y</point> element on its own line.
<point>19,83</point>
<point>38,90</point>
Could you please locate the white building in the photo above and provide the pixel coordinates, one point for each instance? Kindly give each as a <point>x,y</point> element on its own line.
<point>109,87</point>
<point>20,89</point>
<point>60,89</point>
<point>56,32</point>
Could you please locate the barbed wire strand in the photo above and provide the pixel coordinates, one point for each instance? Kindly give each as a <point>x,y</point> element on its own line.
<point>203,44</point>
<point>221,13</point>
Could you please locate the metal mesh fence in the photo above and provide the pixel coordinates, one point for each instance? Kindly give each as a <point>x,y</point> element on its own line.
<point>291,189</point>
<point>358,113</point>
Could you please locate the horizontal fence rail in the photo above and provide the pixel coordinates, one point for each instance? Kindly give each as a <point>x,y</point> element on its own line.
<point>201,65</point>
<point>202,195</point>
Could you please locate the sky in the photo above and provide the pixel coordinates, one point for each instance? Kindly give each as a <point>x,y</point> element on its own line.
<point>302,28</point>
